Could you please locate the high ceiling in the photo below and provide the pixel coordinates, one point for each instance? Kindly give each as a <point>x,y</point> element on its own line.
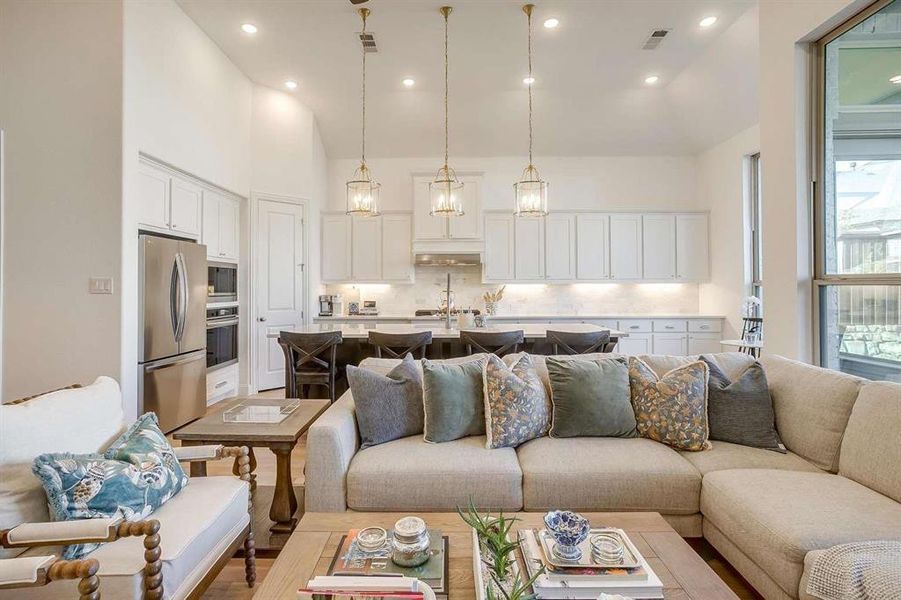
<point>590,95</point>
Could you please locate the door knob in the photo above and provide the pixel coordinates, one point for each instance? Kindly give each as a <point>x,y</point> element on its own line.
<point>261,319</point>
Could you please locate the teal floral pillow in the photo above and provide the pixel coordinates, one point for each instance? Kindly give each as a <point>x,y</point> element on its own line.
<point>136,476</point>
<point>517,408</point>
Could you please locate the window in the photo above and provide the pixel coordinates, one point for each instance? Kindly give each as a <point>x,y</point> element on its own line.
<point>858,198</point>
<point>756,218</point>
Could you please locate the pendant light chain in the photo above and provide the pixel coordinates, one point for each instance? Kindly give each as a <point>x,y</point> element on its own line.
<point>446,127</point>
<point>529,15</point>
<point>363,143</point>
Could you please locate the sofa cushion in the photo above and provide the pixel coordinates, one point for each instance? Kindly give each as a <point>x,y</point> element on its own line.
<point>81,420</point>
<point>591,398</point>
<point>453,398</point>
<point>812,407</point>
<point>517,407</point>
<point>724,455</point>
<point>411,474</point>
<point>196,527</point>
<point>598,474</point>
<point>777,517</point>
<point>871,448</point>
<point>732,364</point>
<point>387,407</point>
<point>384,365</point>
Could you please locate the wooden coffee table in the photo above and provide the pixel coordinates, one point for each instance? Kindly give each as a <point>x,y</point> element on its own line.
<point>313,544</point>
<point>280,438</point>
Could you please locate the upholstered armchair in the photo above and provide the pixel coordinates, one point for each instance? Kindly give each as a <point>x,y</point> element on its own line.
<point>174,554</point>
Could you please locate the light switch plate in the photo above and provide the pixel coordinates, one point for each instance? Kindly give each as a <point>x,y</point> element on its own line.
<point>100,285</point>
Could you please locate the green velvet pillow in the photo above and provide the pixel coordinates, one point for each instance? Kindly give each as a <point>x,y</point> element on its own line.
<point>453,400</point>
<point>590,398</point>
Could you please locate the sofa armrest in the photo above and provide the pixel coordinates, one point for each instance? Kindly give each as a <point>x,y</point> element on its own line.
<point>32,571</point>
<point>55,533</point>
<point>332,442</point>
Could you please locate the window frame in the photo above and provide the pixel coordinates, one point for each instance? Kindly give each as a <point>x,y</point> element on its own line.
<point>822,279</point>
<point>755,216</point>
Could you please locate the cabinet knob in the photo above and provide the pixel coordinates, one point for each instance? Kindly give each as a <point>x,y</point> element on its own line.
<point>669,327</point>
<point>705,327</point>
<point>633,326</point>
<point>262,319</point>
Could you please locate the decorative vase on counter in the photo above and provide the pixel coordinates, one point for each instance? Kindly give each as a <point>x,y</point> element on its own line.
<point>491,308</point>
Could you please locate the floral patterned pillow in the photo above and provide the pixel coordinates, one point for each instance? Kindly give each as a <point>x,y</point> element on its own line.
<point>517,407</point>
<point>136,475</point>
<point>672,409</point>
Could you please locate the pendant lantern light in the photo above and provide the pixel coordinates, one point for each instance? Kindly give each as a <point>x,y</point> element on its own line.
<point>446,191</point>
<point>530,192</point>
<point>362,189</point>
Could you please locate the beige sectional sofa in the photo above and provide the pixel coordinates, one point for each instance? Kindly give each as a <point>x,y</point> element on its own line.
<point>767,513</point>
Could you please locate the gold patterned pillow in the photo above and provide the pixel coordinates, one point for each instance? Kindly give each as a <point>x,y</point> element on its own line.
<point>672,409</point>
<point>517,407</point>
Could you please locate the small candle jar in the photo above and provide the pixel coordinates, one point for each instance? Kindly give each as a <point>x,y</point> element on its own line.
<point>371,539</point>
<point>410,542</point>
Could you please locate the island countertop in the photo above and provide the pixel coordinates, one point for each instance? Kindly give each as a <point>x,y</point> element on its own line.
<point>401,318</point>
<point>358,331</point>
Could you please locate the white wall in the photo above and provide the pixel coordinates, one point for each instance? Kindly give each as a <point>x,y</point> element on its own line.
<point>722,187</point>
<point>61,109</point>
<point>786,28</point>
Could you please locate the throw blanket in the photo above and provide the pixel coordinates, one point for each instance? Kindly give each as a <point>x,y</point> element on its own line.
<point>857,571</point>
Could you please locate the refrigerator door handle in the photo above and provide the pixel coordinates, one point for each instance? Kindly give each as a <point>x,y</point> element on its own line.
<point>173,299</point>
<point>182,295</point>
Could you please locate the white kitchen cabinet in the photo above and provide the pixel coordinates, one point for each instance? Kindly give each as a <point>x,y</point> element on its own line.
<point>336,244</point>
<point>634,344</point>
<point>467,226</point>
<point>366,248</point>
<point>704,343</point>
<point>168,203</point>
<point>592,246</point>
<point>153,197</point>
<point>397,239</point>
<point>692,247</point>
<point>529,241</point>
<point>673,344</point>
<point>425,226</point>
<point>560,246</point>
<point>499,247</point>
<point>186,207</point>
<point>221,232</point>
<point>625,246</point>
<point>659,246</point>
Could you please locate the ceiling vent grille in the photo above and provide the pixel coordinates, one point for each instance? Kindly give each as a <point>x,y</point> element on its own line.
<point>655,38</point>
<point>368,41</point>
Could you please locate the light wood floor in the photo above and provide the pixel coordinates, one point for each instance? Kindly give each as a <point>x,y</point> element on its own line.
<point>230,585</point>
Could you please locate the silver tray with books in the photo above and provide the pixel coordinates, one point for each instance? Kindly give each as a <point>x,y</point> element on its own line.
<point>630,558</point>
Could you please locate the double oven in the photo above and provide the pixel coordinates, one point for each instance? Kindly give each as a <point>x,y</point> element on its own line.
<point>221,315</point>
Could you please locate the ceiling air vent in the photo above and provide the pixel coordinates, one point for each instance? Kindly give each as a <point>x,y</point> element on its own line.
<point>655,38</point>
<point>368,41</point>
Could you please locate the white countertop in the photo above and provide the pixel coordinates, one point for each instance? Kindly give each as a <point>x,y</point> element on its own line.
<point>407,317</point>
<point>358,332</point>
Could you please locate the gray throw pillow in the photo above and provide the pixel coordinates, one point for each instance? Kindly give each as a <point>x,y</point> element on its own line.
<point>590,398</point>
<point>387,407</point>
<point>453,399</point>
<point>741,411</point>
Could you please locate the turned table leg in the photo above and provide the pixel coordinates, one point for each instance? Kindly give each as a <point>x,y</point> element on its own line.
<point>284,502</point>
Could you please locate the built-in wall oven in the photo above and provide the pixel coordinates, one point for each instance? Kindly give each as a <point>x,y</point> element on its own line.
<point>222,282</point>
<point>221,336</point>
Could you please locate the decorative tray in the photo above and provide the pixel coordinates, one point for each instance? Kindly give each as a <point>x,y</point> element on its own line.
<point>630,558</point>
<point>259,413</point>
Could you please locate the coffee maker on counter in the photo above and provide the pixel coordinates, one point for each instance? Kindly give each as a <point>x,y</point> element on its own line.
<point>331,305</point>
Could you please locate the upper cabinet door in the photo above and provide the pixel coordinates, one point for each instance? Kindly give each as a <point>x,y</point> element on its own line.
<point>153,200</point>
<point>529,243</point>
<point>592,246</point>
<point>692,260</point>
<point>659,234</point>
<point>397,250</point>
<point>469,225</point>
<point>335,248</point>
<point>425,226</point>
<point>229,232</point>
<point>366,248</point>
<point>186,210</point>
<point>560,246</point>
<point>625,246</point>
<point>499,247</point>
<point>210,234</point>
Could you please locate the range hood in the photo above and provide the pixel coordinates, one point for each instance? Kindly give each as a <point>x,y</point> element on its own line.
<point>448,259</point>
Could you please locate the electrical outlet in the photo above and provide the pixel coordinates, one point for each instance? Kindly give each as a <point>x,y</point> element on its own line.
<point>100,285</point>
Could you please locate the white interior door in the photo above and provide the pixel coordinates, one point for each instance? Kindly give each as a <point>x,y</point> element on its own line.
<point>278,282</point>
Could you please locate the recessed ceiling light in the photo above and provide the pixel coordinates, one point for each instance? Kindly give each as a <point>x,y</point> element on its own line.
<point>707,21</point>
<point>896,79</point>
<point>551,23</point>
<point>529,80</point>
<point>409,82</point>
<point>291,84</point>
<point>249,28</point>
<point>651,79</point>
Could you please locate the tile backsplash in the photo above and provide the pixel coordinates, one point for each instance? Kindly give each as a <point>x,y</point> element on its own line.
<point>524,299</point>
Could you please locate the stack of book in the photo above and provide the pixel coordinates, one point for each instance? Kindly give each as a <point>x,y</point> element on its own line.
<point>587,580</point>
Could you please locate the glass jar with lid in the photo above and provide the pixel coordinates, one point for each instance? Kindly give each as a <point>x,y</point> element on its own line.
<point>410,542</point>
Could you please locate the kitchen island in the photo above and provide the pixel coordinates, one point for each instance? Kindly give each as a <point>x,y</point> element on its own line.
<point>360,331</point>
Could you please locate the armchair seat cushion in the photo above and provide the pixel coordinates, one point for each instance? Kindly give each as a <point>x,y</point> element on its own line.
<point>196,527</point>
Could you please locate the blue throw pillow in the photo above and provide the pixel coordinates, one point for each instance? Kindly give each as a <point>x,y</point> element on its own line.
<point>136,475</point>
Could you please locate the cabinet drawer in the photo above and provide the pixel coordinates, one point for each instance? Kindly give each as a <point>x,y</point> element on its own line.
<point>635,326</point>
<point>705,326</point>
<point>670,325</point>
<point>222,383</point>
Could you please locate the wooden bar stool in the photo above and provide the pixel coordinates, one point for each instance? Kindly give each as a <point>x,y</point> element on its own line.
<point>581,342</point>
<point>398,345</point>
<point>310,359</point>
<point>492,342</point>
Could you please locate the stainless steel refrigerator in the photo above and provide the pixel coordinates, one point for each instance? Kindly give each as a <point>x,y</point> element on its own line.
<point>172,344</point>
